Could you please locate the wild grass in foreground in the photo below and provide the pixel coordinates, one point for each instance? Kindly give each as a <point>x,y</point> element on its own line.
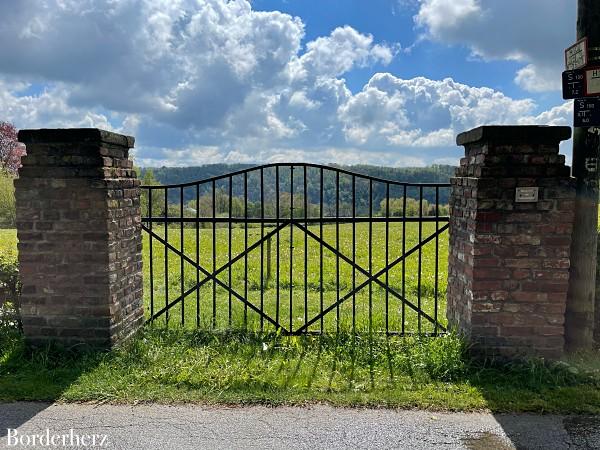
<point>233,368</point>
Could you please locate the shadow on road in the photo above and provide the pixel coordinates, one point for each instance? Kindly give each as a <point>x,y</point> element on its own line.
<point>527,431</point>
<point>41,374</point>
<point>13,415</point>
<point>541,388</point>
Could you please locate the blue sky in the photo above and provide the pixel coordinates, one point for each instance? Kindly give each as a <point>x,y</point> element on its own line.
<point>348,81</point>
<point>392,21</point>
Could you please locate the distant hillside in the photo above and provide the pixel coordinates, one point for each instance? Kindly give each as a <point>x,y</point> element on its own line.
<point>431,174</point>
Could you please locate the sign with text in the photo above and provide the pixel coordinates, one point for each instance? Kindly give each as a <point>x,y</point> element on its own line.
<point>587,112</point>
<point>576,55</point>
<point>592,81</point>
<point>573,84</point>
<point>527,195</point>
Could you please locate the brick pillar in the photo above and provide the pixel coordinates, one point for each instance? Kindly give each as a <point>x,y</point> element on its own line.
<point>80,244</point>
<point>508,259</point>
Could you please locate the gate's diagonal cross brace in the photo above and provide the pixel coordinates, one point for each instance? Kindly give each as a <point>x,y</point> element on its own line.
<point>372,278</point>
<point>210,276</point>
<point>375,278</point>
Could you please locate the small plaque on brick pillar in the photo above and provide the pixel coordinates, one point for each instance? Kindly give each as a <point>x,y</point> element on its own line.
<point>527,194</point>
<point>80,244</point>
<point>511,219</point>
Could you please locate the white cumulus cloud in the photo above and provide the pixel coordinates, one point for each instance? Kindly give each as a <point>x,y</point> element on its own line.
<point>204,81</point>
<point>422,112</point>
<point>534,32</point>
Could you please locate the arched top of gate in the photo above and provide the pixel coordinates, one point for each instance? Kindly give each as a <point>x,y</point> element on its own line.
<point>290,166</point>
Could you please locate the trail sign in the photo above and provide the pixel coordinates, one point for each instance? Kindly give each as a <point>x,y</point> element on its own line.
<point>587,112</point>
<point>576,56</point>
<point>592,81</point>
<point>573,84</point>
<point>580,83</point>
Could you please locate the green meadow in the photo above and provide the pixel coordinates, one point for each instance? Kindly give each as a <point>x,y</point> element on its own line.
<point>295,277</point>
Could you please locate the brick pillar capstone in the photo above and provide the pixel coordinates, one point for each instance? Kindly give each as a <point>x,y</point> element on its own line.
<point>508,268</point>
<point>79,231</point>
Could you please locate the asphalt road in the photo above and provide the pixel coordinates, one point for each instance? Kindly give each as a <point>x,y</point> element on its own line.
<point>316,427</point>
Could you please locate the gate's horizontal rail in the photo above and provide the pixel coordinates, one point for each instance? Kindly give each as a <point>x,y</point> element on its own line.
<point>297,166</point>
<point>311,220</point>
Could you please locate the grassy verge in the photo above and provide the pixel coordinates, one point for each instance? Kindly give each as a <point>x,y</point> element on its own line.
<point>194,366</point>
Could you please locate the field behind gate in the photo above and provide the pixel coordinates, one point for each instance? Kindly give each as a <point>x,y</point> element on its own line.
<point>222,311</point>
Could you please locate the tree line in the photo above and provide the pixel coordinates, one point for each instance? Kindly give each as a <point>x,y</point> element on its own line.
<point>365,195</point>
<point>221,205</point>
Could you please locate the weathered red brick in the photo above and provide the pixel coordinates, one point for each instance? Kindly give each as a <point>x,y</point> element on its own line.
<point>522,263</point>
<point>529,296</point>
<point>528,241</point>
<point>68,277</point>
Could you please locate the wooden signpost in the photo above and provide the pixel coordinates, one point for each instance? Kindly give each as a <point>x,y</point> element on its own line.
<point>581,82</point>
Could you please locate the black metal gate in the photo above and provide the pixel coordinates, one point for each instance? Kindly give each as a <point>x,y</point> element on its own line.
<point>298,248</point>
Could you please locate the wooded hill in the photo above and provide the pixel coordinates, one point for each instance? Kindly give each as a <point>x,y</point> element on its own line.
<point>431,174</point>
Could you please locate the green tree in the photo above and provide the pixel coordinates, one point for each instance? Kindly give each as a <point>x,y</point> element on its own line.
<point>158,195</point>
<point>7,200</point>
<point>413,208</point>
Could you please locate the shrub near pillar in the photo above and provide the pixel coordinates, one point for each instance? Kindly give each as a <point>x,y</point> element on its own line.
<point>79,231</point>
<point>508,260</point>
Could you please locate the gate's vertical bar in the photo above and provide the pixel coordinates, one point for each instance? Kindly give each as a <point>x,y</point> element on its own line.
<point>262,247</point>
<point>321,247</point>
<point>230,244</point>
<point>277,252</point>
<point>353,253</point>
<point>181,249</point>
<point>337,247</point>
<point>214,254</point>
<point>291,247</point>
<point>403,259</point>
<point>420,258</point>
<point>437,249</point>
<point>197,253</point>
<point>150,221</point>
<point>246,249</point>
<point>387,257</point>
<point>166,214</point>
<point>370,254</point>
<point>305,192</point>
